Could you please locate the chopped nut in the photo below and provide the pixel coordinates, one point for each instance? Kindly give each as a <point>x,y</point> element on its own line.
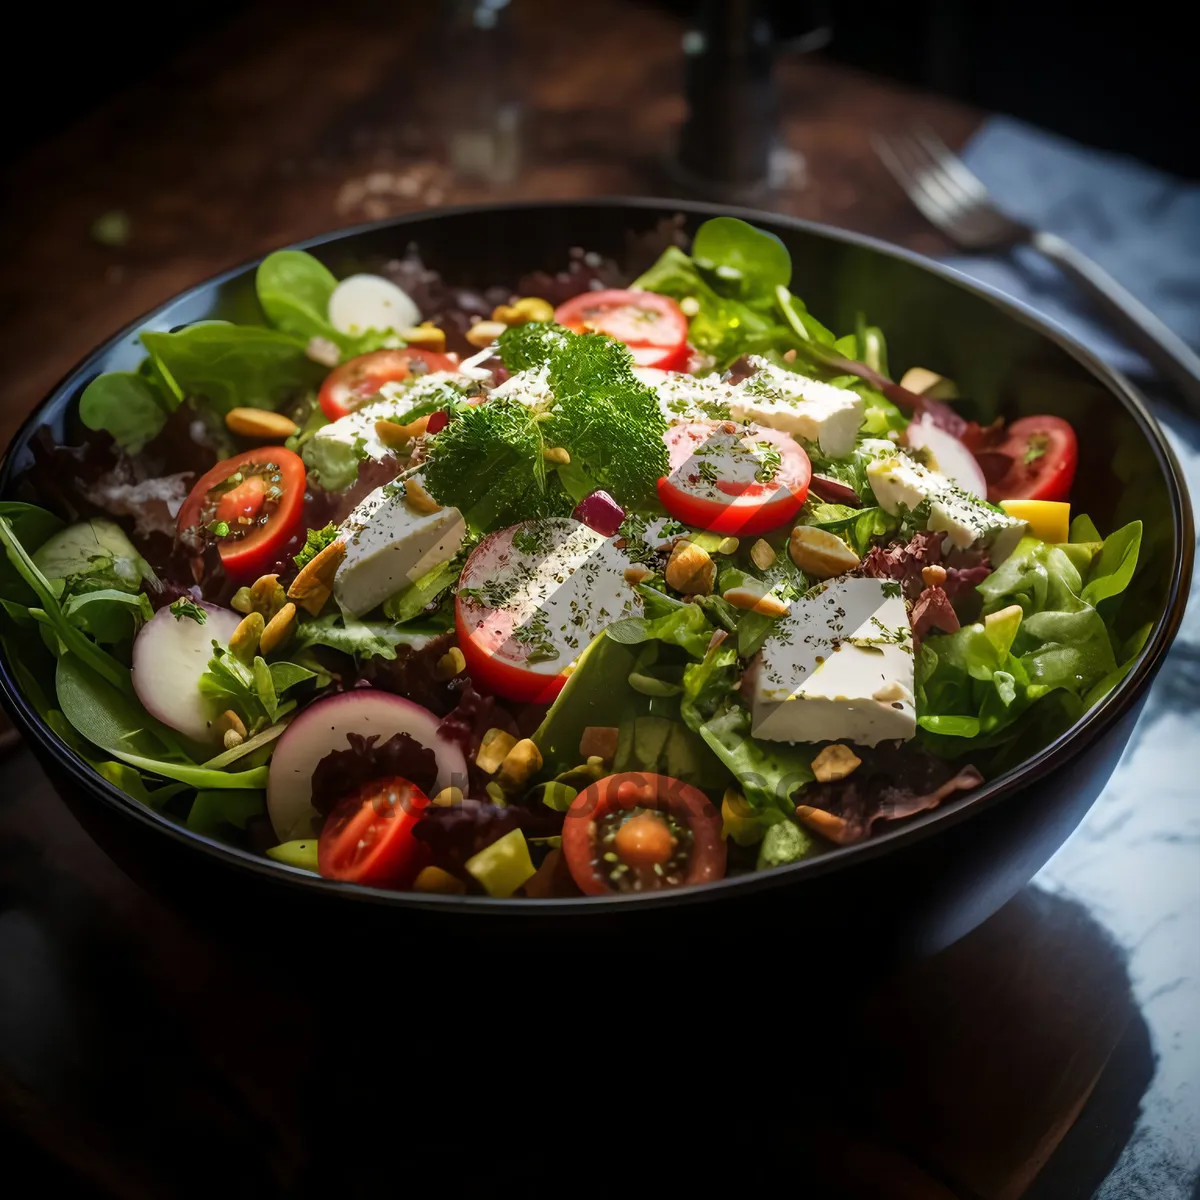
<point>835,762</point>
<point>496,794</point>
<point>728,545</point>
<point>524,311</point>
<point>242,601</point>
<point>418,499</point>
<point>396,436</point>
<point>259,423</point>
<point>265,595</point>
<point>825,823</point>
<point>820,553</point>
<point>448,797</point>
<point>244,642</point>
<point>762,555</point>
<point>637,574</point>
<point>493,750</point>
<point>314,585</point>
<point>691,570</point>
<point>425,337</point>
<point>556,454</point>
<point>933,576</point>
<point>230,722</point>
<point>452,663</point>
<point>599,741</point>
<point>279,629</point>
<point>522,761</point>
<point>435,880</point>
<point>928,383</point>
<point>231,739</point>
<point>322,350</point>
<point>755,599</point>
<point>484,333</point>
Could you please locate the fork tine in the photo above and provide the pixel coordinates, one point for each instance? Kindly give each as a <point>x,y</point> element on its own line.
<point>951,164</point>
<point>929,169</point>
<point>891,153</point>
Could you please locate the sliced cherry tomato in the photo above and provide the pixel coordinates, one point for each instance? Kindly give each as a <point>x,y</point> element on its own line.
<point>530,600</point>
<point>356,381</point>
<point>264,508</point>
<point>368,838</point>
<point>652,326</point>
<point>663,833</point>
<point>1044,453</point>
<point>733,479</point>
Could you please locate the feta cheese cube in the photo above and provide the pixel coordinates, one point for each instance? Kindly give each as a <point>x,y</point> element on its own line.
<point>903,485</point>
<point>389,546</point>
<point>683,397</point>
<point>839,666</point>
<point>806,408</point>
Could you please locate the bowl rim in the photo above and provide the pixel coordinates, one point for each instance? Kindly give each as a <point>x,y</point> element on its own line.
<point>1065,748</point>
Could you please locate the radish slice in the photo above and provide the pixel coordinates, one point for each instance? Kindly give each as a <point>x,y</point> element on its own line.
<point>169,656</point>
<point>365,302</point>
<point>950,456</point>
<point>322,728</point>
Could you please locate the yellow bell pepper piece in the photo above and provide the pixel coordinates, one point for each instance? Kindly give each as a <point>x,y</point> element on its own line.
<point>739,821</point>
<point>1049,520</point>
<point>503,866</point>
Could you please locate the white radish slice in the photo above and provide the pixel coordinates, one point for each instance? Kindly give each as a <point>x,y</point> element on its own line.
<point>169,656</point>
<point>322,728</point>
<point>950,456</point>
<point>365,302</point>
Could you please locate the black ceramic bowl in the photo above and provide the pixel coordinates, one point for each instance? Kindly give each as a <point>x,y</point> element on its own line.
<point>910,891</point>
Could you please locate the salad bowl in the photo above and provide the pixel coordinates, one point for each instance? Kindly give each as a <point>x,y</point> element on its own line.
<point>916,885</point>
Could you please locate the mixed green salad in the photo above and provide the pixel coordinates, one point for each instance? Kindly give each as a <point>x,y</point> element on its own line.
<point>590,587</point>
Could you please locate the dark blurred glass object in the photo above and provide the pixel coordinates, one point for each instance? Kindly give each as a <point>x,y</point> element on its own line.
<point>729,136</point>
<point>482,114</point>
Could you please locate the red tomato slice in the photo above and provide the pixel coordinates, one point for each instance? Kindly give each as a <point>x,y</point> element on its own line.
<point>681,834</point>
<point>530,600</point>
<point>652,326</point>
<point>368,838</point>
<point>1044,453</point>
<point>356,381</point>
<point>714,482</point>
<point>273,521</point>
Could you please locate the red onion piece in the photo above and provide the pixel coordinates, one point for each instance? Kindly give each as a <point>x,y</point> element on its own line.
<point>833,492</point>
<point>953,458</point>
<point>599,511</point>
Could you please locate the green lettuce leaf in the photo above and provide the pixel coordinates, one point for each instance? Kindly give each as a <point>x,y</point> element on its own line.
<point>126,406</point>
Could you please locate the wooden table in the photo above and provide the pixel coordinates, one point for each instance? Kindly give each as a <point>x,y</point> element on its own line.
<point>140,1058</point>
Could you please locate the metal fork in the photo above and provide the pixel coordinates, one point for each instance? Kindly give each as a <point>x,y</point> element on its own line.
<point>957,201</point>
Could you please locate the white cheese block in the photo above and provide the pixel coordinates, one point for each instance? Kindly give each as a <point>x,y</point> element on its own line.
<point>805,408</point>
<point>365,302</point>
<point>395,399</point>
<point>839,666</point>
<point>389,546</point>
<point>684,397</point>
<point>901,484</point>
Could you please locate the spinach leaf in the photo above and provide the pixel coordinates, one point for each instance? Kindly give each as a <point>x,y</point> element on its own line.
<point>755,261</point>
<point>108,615</point>
<point>126,406</point>
<point>233,366</point>
<point>294,290</point>
<point>213,809</point>
<point>411,602</point>
<point>114,720</point>
<point>32,527</point>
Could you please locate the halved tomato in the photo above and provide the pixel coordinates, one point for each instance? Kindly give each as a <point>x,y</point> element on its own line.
<point>253,504</point>
<point>1043,452</point>
<point>530,600</point>
<point>733,479</point>
<point>640,832</point>
<point>652,326</point>
<point>357,380</point>
<point>368,838</point>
